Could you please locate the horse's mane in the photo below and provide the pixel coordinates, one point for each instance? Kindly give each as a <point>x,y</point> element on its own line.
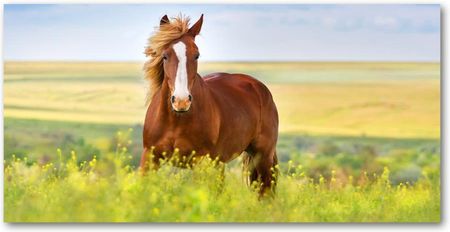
<point>163,36</point>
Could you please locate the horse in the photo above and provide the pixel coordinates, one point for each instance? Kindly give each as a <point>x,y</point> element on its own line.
<point>222,115</point>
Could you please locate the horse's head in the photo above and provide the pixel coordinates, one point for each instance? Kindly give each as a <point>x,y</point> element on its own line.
<point>180,66</point>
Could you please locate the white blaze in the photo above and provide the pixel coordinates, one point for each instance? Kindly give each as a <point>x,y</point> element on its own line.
<point>181,80</point>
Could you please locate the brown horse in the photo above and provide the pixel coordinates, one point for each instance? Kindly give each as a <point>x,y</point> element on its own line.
<point>221,114</point>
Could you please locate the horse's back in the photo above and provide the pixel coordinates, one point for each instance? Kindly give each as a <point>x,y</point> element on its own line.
<point>243,91</point>
<point>234,91</point>
<point>235,82</point>
<point>250,88</point>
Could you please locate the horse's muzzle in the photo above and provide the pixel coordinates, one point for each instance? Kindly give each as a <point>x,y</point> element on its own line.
<point>181,105</point>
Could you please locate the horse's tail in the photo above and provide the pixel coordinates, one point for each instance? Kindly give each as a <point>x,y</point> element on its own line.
<point>275,170</point>
<point>251,174</point>
<point>248,168</point>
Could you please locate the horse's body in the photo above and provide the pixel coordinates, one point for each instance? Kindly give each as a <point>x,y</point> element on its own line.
<point>229,114</point>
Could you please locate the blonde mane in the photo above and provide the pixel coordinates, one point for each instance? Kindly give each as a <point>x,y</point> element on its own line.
<point>164,35</point>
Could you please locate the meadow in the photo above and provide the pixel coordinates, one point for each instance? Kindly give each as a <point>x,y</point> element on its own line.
<point>110,191</point>
<point>358,142</point>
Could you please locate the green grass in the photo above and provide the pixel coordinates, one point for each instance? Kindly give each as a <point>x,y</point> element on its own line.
<point>109,190</point>
<point>37,140</point>
<point>326,182</point>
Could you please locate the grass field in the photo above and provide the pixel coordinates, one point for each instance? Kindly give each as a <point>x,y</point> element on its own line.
<point>338,121</point>
<point>315,98</point>
<point>108,191</point>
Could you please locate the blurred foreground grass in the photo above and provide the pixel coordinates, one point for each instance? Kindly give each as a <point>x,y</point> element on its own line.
<point>110,190</point>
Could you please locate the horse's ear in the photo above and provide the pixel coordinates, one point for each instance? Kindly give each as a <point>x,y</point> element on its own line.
<point>195,29</point>
<point>164,20</point>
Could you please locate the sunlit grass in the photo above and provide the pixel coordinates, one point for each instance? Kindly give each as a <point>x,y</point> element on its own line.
<point>399,100</point>
<point>110,190</point>
<point>401,109</point>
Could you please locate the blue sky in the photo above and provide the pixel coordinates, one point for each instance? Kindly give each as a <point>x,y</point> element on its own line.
<point>230,32</point>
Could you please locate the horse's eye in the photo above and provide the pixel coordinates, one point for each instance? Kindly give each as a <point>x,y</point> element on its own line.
<point>164,57</point>
<point>197,56</point>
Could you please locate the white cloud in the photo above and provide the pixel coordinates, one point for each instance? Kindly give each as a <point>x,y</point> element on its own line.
<point>239,32</point>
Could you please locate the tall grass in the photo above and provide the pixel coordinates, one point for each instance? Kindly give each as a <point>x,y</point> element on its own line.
<point>110,190</point>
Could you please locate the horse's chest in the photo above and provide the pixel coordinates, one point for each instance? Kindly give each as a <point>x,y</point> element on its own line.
<point>184,141</point>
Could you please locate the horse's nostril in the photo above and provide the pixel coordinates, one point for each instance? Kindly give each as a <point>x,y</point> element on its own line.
<point>190,97</point>
<point>172,99</point>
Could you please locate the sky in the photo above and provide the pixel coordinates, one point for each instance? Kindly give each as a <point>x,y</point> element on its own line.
<point>300,32</point>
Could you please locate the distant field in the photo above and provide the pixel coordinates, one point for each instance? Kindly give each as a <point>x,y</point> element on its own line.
<point>373,99</point>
